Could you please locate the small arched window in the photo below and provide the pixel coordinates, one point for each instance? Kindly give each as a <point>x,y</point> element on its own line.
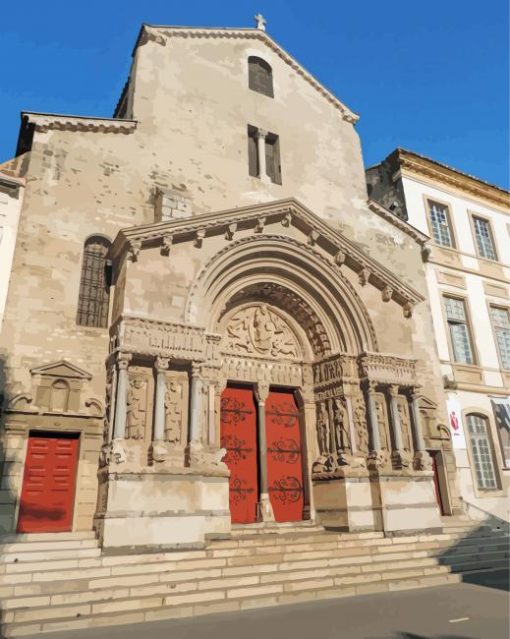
<point>481,448</point>
<point>260,76</point>
<point>94,295</point>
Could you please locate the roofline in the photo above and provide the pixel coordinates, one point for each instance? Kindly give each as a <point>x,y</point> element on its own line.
<point>168,30</point>
<point>69,115</point>
<point>417,235</point>
<point>450,168</point>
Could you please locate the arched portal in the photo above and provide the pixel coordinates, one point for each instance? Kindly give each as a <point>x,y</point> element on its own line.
<point>281,309</point>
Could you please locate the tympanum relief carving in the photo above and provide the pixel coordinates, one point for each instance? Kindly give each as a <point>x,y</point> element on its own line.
<point>259,331</point>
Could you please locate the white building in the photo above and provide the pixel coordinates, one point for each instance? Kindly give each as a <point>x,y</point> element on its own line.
<point>12,187</point>
<point>468,273</point>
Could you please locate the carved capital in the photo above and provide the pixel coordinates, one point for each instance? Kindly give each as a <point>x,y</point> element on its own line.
<point>313,237</point>
<point>199,238</point>
<point>134,249</point>
<point>260,133</point>
<point>422,460</point>
<point>261,223</point>
<point>161,363</point>
<point>408,310</point>
<point>363,275</point>
<point>387,293</point>
<point>262,391</point>
<point>340,258</point>
<point>196,370</point>
<point>231,229</point>
<point>167,244</point>
<point>393,390</point>
<point>123,360</point>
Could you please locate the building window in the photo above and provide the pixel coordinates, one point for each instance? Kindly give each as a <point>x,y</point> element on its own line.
<point>267,144</point>
<point>94,295</point>
<point>501,408</point>
<point>459,330</point>
<point>501,323</point>
<point>482,452</point>
<point>260,76</point>
<point>484,241</point>
<point>439,221</point>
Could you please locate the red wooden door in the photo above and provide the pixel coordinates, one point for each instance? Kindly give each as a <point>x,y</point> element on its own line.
<point>284,458</point>
<point>437,487</point>
<point>239,436</point>
<point>47,493</point>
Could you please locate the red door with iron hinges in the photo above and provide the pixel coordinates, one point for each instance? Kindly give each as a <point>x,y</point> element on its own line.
<point>284,456</point>
<point>49,482</point>
<point>238,434</point>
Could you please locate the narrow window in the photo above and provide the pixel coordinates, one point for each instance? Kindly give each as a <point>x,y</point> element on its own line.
<point>459,331</point>
<point>501,322</point>
<point>260,76</point>
<point>253,154</point>
<point>484,241</point>
<point>273,168</point>
<point>440,224</point>
<point>94,295</point>
<point>482,452</point>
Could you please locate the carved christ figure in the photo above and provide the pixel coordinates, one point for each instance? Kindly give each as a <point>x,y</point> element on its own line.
<point>269,334</point>
<point>135,405</point>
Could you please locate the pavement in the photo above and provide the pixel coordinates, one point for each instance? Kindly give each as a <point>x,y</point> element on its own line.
<point>458,611</point>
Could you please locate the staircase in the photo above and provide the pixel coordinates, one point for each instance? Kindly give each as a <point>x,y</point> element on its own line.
<point>51,582</point>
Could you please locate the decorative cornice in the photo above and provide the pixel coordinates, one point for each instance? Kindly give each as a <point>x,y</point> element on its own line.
<point>151,32</point>
<point>286,212</point>
<point>46,121</point>
<point>426,167</point>
<point>404,226</point>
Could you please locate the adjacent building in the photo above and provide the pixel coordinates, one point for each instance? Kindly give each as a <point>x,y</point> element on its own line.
<point>468,277</point>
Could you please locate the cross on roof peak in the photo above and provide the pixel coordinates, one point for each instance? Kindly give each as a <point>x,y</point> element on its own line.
<point>261,22</point>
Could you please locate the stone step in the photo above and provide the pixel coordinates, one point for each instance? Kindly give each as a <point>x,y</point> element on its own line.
<point>38,546</point>
<point>239,530</point>
<point>190,602</point>
<point>48,555</point>
<point>137,611</point>
<point>82,591</point>
<point>60,536</point>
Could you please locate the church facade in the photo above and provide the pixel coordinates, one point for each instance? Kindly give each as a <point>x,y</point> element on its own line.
<point>208,323</point>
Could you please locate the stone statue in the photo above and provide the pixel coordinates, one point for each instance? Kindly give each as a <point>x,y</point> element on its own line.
<point>173,411</point>
<point>135,419</point>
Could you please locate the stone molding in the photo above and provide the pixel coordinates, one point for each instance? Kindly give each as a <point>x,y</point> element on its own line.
<point>158,34</point>
<point>285,212</point>
<point>419,237</point>
<point>387,369</point>
<point>47,121</point>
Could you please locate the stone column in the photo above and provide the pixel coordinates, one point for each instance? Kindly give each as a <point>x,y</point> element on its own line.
<point>265,510</point>
<point>375,459</point>
<point>261,151</point>
<point>119,426</point>
<point>422,460</point>
<point>161,366</point>
<point>195,437</point>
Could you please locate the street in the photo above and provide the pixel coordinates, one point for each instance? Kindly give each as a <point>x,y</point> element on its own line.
<point>463,611</point>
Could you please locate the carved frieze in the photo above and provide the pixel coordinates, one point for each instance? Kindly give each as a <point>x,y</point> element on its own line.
<point>259,331</point>
<point>166,339</point>
<point>387,369</point>
<point>253,370</point>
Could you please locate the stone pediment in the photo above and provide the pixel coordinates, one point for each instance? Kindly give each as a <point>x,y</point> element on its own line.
<point>61,369</point>
<point>270,219</point>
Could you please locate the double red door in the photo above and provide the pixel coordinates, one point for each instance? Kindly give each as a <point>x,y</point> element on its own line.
<point>283,458</point>
<point>47,494</point>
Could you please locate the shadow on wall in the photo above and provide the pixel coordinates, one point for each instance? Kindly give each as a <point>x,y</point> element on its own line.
<point>482,556</point>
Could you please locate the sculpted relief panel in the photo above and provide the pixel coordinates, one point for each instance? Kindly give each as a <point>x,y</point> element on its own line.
<point>258,331</point>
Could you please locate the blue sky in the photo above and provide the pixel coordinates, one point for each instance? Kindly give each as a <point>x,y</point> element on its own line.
<point>430,76</point>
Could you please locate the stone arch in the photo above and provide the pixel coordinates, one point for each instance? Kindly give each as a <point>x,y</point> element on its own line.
<point>295,278</point>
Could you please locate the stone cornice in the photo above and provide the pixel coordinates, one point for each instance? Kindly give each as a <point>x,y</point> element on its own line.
<point>158,33</point>
<point>404,226</point>
<point>426,167</point>
<point>339,248</point>
<point>47,121</point>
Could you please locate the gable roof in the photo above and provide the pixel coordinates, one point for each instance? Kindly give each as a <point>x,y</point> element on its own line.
<point>289,211</point>
<point>159,33</point>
